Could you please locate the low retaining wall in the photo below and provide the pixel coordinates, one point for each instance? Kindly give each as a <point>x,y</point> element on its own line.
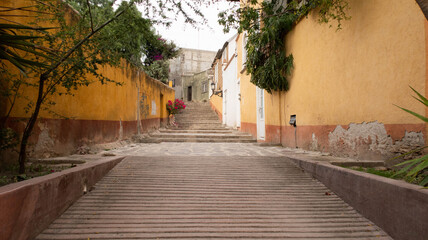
<point>28,207</point>
<point>399,208</point>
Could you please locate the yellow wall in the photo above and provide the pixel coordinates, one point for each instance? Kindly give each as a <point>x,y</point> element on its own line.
<point>217,103</point>
<point>358,73</point>
<point>248,90</point>
<point>354,75</point>
<point>101,101</point>
<point>108,101</point>
<point>97,113</point>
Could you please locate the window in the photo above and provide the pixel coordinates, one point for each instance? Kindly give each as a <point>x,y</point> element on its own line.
<point>204,87</point>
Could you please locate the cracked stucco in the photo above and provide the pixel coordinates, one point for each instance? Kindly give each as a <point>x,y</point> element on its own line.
<point>370,141</point>
<point>45,143</point>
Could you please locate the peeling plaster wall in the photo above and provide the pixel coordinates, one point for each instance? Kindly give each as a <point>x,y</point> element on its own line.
<point>45,143</point>
<point>370,140</point>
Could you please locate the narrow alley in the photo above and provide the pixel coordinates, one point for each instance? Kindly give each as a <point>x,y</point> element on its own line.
<point>202,190</point>
<point>213,119</point>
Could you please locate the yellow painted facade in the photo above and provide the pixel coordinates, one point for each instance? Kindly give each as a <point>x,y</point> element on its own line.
<point>361,70</point>
<point>139,94</point>
<point>107,101</point>
<point>95,113</point>
<point>354,75</point>
<point>217,103</point>
<point>358,73</point>
<point>247,89</point>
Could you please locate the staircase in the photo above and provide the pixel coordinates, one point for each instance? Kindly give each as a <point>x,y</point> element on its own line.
<point>199,123</point>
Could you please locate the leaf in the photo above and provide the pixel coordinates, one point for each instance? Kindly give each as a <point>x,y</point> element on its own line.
<point>19,26</point>
<point>412,163</point>
<point>407,153</point>
<point>424,182</point>
<point>414,114</point>
<point>424,164</point>
<point>422,98</point>
<point>16,63</point>
<point>32,51</point>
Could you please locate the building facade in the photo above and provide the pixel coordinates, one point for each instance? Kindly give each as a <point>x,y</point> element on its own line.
<point>345,84</point>
<point>188,63</point>
<point>196,87</point>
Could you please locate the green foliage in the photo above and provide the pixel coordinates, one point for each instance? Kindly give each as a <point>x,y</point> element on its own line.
<point>416,167</point>
<point>81,47</point>
<point>8,138</point>
<point>143,48</point>
<point>267,25</point>
<point>14,39</point>
<point>391,173</point>
<point>332,10</point>
<point>175,107</point>
<point>158,70</point>
<point>85,60</point>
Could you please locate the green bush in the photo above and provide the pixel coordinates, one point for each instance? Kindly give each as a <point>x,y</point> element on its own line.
<point>416,167</point>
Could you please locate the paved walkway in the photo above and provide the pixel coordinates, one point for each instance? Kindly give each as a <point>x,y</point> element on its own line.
<point>206,190</point>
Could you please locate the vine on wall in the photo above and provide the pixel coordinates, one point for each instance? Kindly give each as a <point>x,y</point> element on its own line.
<point>266,25</point>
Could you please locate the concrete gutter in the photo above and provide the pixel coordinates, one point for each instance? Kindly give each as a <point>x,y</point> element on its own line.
<point>399,208</point>
<point>28,207</point>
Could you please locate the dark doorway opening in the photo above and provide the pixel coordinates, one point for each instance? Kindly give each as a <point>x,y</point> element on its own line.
<point>189,93</point>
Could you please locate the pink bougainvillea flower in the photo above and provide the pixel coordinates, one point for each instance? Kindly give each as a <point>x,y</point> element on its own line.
<point>157,57</point>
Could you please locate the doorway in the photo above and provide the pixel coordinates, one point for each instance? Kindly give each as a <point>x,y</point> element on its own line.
<point>189,93</point>
<point>260,95</point>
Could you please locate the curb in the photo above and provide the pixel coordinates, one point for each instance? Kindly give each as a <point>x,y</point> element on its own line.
<point>28,207</point>
<point>399,208</point>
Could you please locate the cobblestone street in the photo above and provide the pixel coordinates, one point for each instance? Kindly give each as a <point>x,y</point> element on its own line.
<point>198,149</point>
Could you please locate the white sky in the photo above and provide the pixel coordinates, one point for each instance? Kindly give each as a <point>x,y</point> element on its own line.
<point>186,36</point>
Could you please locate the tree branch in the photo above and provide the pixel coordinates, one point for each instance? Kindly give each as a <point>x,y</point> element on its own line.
<point>90,15</point>
<point>75,47</point>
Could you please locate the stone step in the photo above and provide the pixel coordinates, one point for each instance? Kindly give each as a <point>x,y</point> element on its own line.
<point>192,116</point>
<point>202,135</point>
<point>195,131</point>
<point>199,114</point>
<point>209,125</point>
<point>195,127</point>
<point>235,140</point>
<point>199,122</point>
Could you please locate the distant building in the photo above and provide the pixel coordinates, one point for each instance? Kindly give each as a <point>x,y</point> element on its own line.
<point>196,87</point>
<point>188,63</point>
<point>227,84</point>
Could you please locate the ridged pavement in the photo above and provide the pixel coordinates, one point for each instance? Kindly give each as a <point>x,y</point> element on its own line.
<point>210,198</point>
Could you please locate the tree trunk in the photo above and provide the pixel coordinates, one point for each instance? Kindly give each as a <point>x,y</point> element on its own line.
<point>32,121</point>
<point>30,125</point>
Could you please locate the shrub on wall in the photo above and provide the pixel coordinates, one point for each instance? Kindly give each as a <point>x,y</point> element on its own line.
<point>266,25</point>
